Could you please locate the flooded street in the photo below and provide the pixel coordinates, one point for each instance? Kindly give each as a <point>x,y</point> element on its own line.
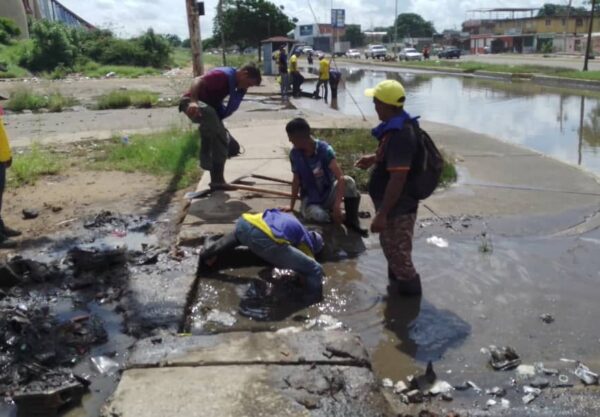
<point>561,123</point>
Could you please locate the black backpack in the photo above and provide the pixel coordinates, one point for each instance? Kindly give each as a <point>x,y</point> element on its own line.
<point>427,169</point>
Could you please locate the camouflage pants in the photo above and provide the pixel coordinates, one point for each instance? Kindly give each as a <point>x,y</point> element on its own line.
<point>396,242</point>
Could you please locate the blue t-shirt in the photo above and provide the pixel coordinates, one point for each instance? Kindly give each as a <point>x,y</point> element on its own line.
<point>320,169</point>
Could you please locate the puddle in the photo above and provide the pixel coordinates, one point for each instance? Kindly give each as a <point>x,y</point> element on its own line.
<point>472,300</point>
<point>560,123</point>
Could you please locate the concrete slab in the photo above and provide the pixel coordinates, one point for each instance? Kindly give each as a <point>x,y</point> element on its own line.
<point>324,347</point>
<point>248,391</point>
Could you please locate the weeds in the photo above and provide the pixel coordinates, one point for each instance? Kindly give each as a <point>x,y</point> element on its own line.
<point>172,153</point>
<point>29,166</point>
<point>24,98</point>
<point>122,99</point>
<point>351,144</point>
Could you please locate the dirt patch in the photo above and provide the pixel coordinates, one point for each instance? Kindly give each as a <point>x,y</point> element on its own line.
<point>76,194</point>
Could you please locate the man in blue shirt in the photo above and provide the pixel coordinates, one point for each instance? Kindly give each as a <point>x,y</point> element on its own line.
<point>320,180</point>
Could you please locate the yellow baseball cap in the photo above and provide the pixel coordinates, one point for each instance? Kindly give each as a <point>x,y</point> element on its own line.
<point>389,92</point>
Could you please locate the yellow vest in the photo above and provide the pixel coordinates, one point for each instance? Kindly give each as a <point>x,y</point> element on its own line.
<point>293,63</point>
<point>257,221</point>
<point>324,70</point>
<point>5,154</point>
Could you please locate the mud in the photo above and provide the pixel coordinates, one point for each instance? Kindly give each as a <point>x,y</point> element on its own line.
<point>66,301</point>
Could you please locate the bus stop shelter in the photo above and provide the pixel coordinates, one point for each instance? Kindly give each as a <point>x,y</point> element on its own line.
<point>268,47</point>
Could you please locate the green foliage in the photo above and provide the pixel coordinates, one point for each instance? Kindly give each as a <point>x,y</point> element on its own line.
<point>351,144</point>
<point>9,60</point>
<point>24,98</point>
<point>247,22</point>
<point>174,40</point>
<point>181,57</point>
<point>412,25</point>
<point>354,35</point>
<point>95,70</point>
<point>551,9</point>
<point>167,153</point>
<point>121,99</point>
<point>546,48</point>
<point>187,43</point>
<point>233,60</point>
<point>34,163</point>
<point>8,30</point>
<point>54,44</point>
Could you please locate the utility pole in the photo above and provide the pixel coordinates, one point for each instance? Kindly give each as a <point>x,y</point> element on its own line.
<point>589,40</point>
<point>396,30</point>
<point>222,33</point>
<point>566,26</point>
<point>195,40</point>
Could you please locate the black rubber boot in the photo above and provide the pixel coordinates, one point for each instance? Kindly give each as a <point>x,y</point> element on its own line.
<point>217,174</point>
<point>352,221</point>
<point>406,287</point>
<point>214,249</point>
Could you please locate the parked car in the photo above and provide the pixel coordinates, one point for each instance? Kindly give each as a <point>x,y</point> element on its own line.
<point>353,53</point>
<point>410,54</point>
<point>449,53</point>
<point>376,51</point>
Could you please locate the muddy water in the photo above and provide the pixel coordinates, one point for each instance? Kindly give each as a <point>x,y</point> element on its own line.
<point>472,299</point>
<point>561,123</point>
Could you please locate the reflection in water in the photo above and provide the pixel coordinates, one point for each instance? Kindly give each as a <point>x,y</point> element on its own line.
<point>534,116</point>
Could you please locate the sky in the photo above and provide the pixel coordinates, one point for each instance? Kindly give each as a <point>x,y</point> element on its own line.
<point>131,17</point>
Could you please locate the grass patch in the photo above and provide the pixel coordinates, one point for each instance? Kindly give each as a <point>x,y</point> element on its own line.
<point>181,57</point>
<point>122,99</point>
<point>173,153</point>
<point>212,60</point>
<point>351,144</point>
<point>95,70</point>
<point>29,166</point>
<point>9,60</point>
<point>24,98</point>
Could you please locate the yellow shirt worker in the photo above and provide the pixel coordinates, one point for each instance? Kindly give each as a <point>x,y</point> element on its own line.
<point>323,77</point>
<point>5,162</point>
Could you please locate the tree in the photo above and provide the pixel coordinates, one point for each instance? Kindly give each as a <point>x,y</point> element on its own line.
<point>8,30</point>
<point>247,22</point>
<point>354,35</point>
<point>174,40</point>
<point>412,25</point>
<point>551,9</point>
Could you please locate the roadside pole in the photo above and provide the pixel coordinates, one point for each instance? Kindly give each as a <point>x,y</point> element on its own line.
<point>195,40</point>
<point>220,11</point>
<point>396,31</point>
<point>589,40</point>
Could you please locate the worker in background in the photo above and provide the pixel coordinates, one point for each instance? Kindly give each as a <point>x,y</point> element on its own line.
<point>203,104</point>
<point>5,162</point>
<point>279,239</point>
<point>323,76</point>
<point>335,76</point>
<point>282,64</point>
<point>297,78</point>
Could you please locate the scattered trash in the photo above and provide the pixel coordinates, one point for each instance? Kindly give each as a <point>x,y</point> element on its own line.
<point>547,318</point>
<point>98,257</point>
<point>527,389</point>
<point>503,359</point>
<point>437,241</point>
<point>539,382</point>
<point>525,371</point>
<point>387,383</point>
<point>414,396</point>
<point>491,403</point>
<point>462,387</point>
<point>125,140</point>
<point>474,386</point>
<point>324,321</point>
<point>447,397</point>
<point>505,403</point>
<point>119,233</point>
<point>29,214</point>
<point>111,74</point>
<point>563,379</point>
<point>105,365</point>
<point>485,245</point>
<point>401,387</point>
<point>221,317</point>
<point>566,360</point>
<point>496,392</point>
<point>440,387</point>
<point>587,377</point>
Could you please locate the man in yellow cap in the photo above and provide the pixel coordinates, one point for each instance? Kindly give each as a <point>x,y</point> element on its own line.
<point>390,180</point>
<point>5,162</point>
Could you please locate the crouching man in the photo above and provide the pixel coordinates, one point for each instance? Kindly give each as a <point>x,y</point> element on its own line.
<point>320,180</point>
<point>279,239</point>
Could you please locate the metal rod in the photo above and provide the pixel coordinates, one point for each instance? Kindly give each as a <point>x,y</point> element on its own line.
<point>254,189</point>
<point>264,177</point>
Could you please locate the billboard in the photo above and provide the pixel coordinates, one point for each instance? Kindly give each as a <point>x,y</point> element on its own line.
<point>338,18</point>
<point>306,30</point>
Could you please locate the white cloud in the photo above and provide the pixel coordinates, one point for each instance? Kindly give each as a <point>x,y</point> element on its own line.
<point>130,17</point>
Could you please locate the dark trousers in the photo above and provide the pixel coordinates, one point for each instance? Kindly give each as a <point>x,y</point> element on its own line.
<point>297,80</point>
<point>333,84</point>
<point>319,84</point>
<point>2,185</point>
